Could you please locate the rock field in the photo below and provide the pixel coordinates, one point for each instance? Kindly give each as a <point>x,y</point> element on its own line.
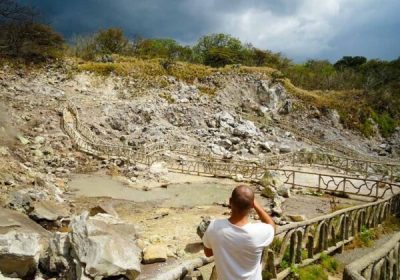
<point>48,231</point>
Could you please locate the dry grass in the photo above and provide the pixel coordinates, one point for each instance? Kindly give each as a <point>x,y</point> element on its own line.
<point>153,68</point>
<point>113,171</point>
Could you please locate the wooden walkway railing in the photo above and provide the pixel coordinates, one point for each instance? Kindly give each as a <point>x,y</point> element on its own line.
<point>383,263</point>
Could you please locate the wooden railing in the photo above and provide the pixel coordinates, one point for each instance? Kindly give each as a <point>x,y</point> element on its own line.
<point>304,242</point>
<point>301,243</point>
<point>383,263</point>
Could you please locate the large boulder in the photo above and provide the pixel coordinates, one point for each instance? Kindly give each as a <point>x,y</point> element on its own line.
<point>271,178</point>
<point>246,129</point>
<point>57,259</point>
<point>271,96</point>
<point>12,220</point>
<point>22,243</point>
<point>48,211</point>
<point>104,246</point>
<point>268,192</point>
<point>225,119</point>
<point>19,253</point>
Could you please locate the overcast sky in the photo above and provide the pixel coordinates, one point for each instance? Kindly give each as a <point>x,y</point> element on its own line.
<point>301,29</point>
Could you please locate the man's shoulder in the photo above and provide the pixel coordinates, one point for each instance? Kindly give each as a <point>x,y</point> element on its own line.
<point>218,222</point>
<point>260,227</point>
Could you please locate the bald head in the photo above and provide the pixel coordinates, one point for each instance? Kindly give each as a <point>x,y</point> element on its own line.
<point>242,199</point>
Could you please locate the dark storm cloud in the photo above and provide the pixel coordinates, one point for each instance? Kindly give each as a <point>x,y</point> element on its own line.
<point>299,28</point>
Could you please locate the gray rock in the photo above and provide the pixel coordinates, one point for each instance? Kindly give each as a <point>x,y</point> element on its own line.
<point>273,96</point>
<point>218,150</point>
<point>19,253</point>
<point>48,210</point>
<point>224,118</point>
<point>202,227</point>
<point>287,107</point>
<point>246,129</point>
<point>20,201</point>
<point>105,246</point>
<point>283,190</point>
<point>226,143</point>
<point>284,149</point>
<point>58,257</point>
<point>277,211</point>
<point>266,146</point>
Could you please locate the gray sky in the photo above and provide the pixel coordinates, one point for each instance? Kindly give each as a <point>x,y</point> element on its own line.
<point>301,29</point>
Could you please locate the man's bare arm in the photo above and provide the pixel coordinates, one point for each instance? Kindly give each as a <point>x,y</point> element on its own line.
<point>208,252</point>
<point>264,217</point>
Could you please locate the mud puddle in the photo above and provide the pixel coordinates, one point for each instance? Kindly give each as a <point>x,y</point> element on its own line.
<point>174,195</point>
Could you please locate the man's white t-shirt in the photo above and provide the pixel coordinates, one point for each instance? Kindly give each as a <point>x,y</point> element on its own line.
<point>238,250</point>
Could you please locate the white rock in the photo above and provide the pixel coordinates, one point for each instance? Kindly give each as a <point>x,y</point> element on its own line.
<point>39,140</point>
<point>283,190</point>
<point>105,246</point>
<point>218,150</point>
<point>19,253</point>
<point>159,168</point>
<point>246,128</point>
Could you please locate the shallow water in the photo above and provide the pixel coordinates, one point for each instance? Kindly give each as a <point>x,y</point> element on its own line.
<point>176,195</point>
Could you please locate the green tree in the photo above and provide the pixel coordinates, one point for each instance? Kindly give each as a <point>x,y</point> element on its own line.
<point>350,62</point>
<point>163,48</point>
<point>111,41</point>
<point>219,57</point>
<point>210,47</point>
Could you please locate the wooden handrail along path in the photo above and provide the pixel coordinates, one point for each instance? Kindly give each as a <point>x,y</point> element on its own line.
<point>382,264</point>
<point>301,243</point>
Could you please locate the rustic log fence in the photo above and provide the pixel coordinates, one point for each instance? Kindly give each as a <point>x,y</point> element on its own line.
<point>300,243</point>
<point>384,263</point>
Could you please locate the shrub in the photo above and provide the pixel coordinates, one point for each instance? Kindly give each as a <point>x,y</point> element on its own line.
<point>312,272</point>
<point>30,41</point>
<point>111,41</point>
<point>365,238</point>
<point>387,125</point>
<point>219,57</point>
<point>329,263</point>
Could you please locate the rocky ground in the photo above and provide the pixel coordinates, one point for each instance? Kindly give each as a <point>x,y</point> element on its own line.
<point>68,235</point>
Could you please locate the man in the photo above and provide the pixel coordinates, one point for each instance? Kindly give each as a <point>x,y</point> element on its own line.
<point>236,244</point>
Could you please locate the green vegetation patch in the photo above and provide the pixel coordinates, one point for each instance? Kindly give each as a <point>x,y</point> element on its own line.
<point>312,272</point>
